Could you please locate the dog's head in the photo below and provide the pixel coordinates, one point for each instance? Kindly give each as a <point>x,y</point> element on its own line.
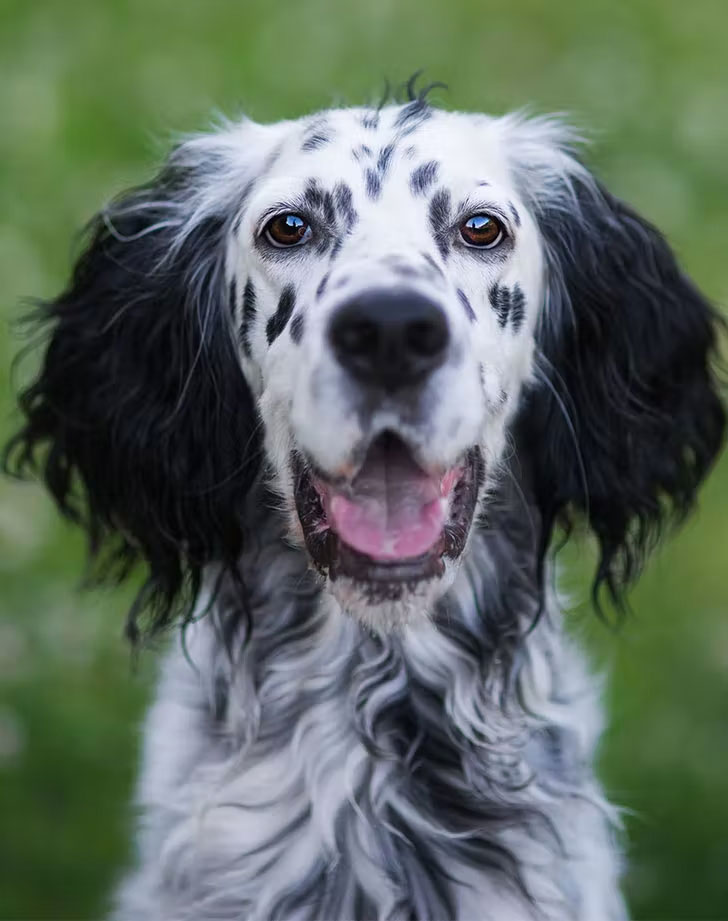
<point>386,307</point>
<point>387,277</point>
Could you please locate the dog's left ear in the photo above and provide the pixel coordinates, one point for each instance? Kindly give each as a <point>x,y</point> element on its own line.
<point>625,419</point>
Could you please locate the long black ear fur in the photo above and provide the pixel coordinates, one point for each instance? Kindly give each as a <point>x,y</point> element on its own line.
<point>626,418</point>
<point>140,419</point>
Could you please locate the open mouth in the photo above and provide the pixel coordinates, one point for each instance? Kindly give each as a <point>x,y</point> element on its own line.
<point>393,523</point>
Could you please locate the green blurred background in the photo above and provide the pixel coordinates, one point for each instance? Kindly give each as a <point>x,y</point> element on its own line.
<point>90,91</point>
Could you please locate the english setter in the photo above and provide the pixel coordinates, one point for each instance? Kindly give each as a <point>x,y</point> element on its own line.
<point>335,381</point>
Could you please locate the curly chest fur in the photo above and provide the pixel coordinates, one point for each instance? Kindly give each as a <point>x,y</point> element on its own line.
<point>327,772</point>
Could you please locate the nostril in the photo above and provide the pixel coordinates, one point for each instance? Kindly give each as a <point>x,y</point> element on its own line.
<point>427,338</point>
<point>356,338</point>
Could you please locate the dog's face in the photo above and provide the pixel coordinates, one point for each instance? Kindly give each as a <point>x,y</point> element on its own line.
<point>411,305</point>
<point>388,278</point>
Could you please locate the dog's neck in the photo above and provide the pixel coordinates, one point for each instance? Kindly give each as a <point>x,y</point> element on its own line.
<point>279,621</point>
<point>428,736</point>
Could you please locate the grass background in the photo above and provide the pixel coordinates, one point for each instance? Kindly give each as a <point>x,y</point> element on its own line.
<point>89,92</point>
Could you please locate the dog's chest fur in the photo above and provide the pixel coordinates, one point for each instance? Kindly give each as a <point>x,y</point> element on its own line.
<point>325,772</point>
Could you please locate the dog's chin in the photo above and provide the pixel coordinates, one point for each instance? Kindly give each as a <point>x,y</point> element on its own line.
<point>402,604</point>
<point>388,574</point>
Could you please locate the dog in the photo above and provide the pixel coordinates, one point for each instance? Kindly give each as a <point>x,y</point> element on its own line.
<point>336,381</point>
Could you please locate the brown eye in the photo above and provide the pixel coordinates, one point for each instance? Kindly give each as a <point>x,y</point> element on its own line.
<point>287,230</point>
<point>482,230</point>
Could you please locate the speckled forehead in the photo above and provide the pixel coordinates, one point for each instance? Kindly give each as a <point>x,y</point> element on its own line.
<point>365,146</point>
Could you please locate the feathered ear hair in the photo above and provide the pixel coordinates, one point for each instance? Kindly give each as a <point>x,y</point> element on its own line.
<point>140,419</point>
<point>626,418</point>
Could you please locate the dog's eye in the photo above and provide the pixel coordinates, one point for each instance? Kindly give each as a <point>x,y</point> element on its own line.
<point>482,230</point>
<point>287,230</point>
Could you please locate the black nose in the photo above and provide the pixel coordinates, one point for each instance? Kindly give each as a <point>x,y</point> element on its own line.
<point>390,339</point>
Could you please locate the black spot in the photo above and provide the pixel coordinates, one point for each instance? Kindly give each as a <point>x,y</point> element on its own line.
<point>317,199</point>
<point>328,209</point>
<point>322,285</point>
<point>518,307</point>
<point>343,200</point>
<point>412,94</point>
<point>361,151</point>
<point>297,328</point>
<point>401,267</point>
<point>220,698</point>
<point>516,215</point>
<point>233,298</point>
<point>407,271</point>
<point>431,262</point>
<point>483,182</point>
<point>277,322</point>
<point>440,220</point>
<point>370,121</point>
<point>315,140</point>
<point>313,194</point>
<point>335,249</point>
<point>323,244</point>
<point>423,177</point>
<point>509,304</point>
<point>242,202</point>
<point>413,115</point>
<point>500,298</point>
<point>248,316</point>
<point>373,183</point>
<point>467,305</point>
<point>384,159</point>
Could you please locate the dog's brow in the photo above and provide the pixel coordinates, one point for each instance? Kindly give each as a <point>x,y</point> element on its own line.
<point>440,204</point>
<point>343,199</point>
<point>424,176</point>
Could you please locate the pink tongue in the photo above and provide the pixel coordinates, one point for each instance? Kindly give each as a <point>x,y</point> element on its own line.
<point>394,510</point>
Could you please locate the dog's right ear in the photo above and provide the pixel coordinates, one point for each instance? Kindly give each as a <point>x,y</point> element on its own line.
<point>140,420</point>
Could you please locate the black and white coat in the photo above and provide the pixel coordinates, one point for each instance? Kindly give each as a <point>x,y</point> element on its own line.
<point>334,736</point>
